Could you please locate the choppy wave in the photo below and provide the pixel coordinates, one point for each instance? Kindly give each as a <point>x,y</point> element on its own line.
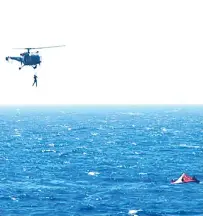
<point>57,161</point>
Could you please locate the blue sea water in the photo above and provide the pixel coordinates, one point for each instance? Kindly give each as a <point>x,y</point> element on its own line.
<point>100,160</point>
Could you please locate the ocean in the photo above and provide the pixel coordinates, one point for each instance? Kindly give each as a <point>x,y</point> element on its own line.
<point>100,160</point>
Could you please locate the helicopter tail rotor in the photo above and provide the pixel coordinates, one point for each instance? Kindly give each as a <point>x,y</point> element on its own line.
<point>7,58</point>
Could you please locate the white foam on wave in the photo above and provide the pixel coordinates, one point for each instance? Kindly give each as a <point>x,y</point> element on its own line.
<point>133,212</point>
<point>189,146</point>
<point>66,126</point>
<point>48,150</point>
<point>14,198</point>
<point>149,128</point>
<point>17,133</point>
<point>132,113</point>
<point>92,173</point>
<point>141,173</point>
<point>51,144</point>
<point>164,129</point>
<point>120,166</point>
<point>94,134</point>
<point>111,142</point>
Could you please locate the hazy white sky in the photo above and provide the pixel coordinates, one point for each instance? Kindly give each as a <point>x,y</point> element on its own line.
<point>124,52</point>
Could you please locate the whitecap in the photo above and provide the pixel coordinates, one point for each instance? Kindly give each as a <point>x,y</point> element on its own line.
<point>149,128</point>
<point>14,199</point>
<point>66,162</point>
<point>132,113</point>
<point>164,129</point>
<point>48,150</point>
<point>189,146</point>
<point>17,133</point>
<point>141,173</point>
<point>93,173</point>
<point>94,134</point>
<point>51,144</point>
<point>110,142</point>
<point>133,212</point>
<point>120,166</point>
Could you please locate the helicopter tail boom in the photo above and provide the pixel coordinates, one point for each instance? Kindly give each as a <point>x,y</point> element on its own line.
<point>19,59</point>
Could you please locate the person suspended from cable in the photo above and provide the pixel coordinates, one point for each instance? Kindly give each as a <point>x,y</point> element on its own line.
<point>35,80</point>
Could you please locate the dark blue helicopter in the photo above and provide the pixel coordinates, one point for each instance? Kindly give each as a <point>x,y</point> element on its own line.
<point>29,58</point>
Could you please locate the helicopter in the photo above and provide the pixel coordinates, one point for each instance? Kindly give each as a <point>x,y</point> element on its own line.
<point>29,58</point>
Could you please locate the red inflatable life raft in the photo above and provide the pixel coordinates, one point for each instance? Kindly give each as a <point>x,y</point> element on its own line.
<point>184,178</point>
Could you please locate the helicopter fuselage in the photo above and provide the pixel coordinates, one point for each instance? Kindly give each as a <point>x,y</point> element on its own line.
<point>27,59</point>
<point>31,59</point>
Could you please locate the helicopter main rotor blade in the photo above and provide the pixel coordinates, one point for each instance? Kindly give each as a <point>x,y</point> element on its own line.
<point>47,47</point>
<point>29,48</point>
